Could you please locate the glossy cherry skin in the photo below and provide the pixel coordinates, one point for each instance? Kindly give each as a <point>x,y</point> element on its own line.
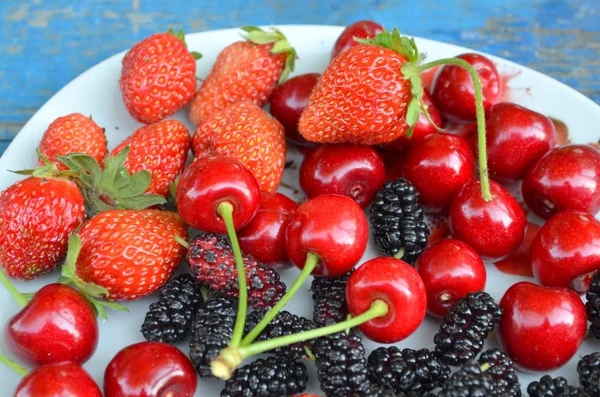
<point>355,171</point>
<point>210,181</point>
<point>566,178</point>
<point>58,380</point>
<point>150,369</point>
<point>450,269</point>
<point>332,226</point>
<point>566,250</point>
<point>495,228</point>
<point>57,325</point>
<point>453,91</point>
<point>437,167</point>
<point>541,328</point>
<point>264,236</point>
<point>396,283</point>
<point>289,100</point>
<point>359,29</point>
<point>516,138</point>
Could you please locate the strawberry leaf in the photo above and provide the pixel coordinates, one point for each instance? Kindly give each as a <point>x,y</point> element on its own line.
<point>396,42</point>
<point>196,55</point>
<point>281,45</point>
<point>412,114</point>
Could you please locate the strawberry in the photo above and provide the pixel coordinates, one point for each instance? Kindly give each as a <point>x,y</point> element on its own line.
<point>74,133</point>
<point>158,77</point>
<point>159,148</point>
<point>245,70</point>
<point>129,253</point>
<point>247,133</point>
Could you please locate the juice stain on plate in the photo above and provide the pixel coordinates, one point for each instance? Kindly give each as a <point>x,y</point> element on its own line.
<point>562,132</point>
<point>519,263</point>
<point>505,78</point>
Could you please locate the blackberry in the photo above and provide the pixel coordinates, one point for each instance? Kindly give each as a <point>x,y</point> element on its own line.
<point>397,219</point>
<point>469,381</point>
<point>274,376</point>
<point>170,318</point>
<point>212,263</point>
<point>211,332</point>
<point>329,296</point>
<point>407,370</point>
<point>502,370</point>
<point>379,392</point>
<point>554,387</point>
<point>589,373</point>
<point>285,323</point>
<point>341,364</point>
<point>593,305</point>
<point>466,327</point>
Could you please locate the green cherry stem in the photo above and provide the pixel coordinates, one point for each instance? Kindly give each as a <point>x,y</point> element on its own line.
<point>13,365</point>
<point>225,210</point>
<point>17,296</point>
<point>311,262</point>
<point>480,113</point>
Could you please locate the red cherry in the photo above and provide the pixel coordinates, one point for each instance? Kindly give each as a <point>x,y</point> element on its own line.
<point>264,236</point>
<point>396,283</point>
<point>394,163</point>
<point>150,369</point>
<point>289,100</point>
<point>349,170</point>
<point>437,167</point>
<point>453,90</point>
<point>334,228</point>
<point>494,228</point>
<point>450,269</point>
<point>210,181</point>
<point>359,29</point>
<point>541,328</point>
<point>566,178</point>
<point>566,250</point>
<point>57,325</point>
<point>516,138</point>
<point>57,380</point>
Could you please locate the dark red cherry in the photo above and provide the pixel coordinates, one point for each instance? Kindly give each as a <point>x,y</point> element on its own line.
<point>359,29</point>
<point>58,380</point>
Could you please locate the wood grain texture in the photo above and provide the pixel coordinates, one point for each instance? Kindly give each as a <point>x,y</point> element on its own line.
<point>44,44</point>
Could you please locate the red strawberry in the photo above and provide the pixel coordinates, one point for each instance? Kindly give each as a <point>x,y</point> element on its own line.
<point>158,77</point>
<point>245,70</point>
<point>159,148</point>
<point>247,133</point>
<point>74,133</point>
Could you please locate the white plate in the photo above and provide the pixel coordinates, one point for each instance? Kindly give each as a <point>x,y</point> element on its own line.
<point>96,92</point>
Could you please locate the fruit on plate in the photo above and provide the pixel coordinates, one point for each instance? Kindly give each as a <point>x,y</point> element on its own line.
<point>592,305</point>
<point>438,167</point>
<point>549,386</point>
<point>588,369</point>
<point>495,228</point>
<point>450,270</point>
<point>264,237</point>
<point>454,93</point>
<point>502,370</point>
<point>158,77</point>
<point>470,380</point>
<point>160,149</point>
<point>246,70</point>
<point>73,133</point>
<point>566,178</point>
<point>360,29</point>
<point>541,327</point>
<point>354,171</point>
<point>289,100</point>
<point>150,369</point>
<point>563,253</point>
<point>329,298</point>
<point>247,133</point>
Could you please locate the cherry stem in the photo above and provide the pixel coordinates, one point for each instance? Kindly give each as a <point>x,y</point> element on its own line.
<point>480,113</point>
<point>311,262</point>
<point>17,296</point>
<point>225,210</point>
<point>13,365</point>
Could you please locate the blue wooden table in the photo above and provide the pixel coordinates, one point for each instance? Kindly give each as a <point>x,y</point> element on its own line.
<point>46,43</point>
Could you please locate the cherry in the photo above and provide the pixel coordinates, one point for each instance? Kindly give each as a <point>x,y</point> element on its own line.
<point>264,236</point>
<point>541,328</point>
<point>354,171</point>
<point>566,250</point>
<point>494,228</point>
<point>454,93</point>
<point>566,178</point>
<point>516,138</point>
<point>437,167</point>
<point>150,369</point>
<point>359,29</point>
<point>289,100</point>
<point>450,269</point>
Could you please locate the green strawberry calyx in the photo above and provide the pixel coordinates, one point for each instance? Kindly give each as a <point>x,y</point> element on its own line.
<point>48,170</point>
<point>281,45</point>
<point>181,36</point>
